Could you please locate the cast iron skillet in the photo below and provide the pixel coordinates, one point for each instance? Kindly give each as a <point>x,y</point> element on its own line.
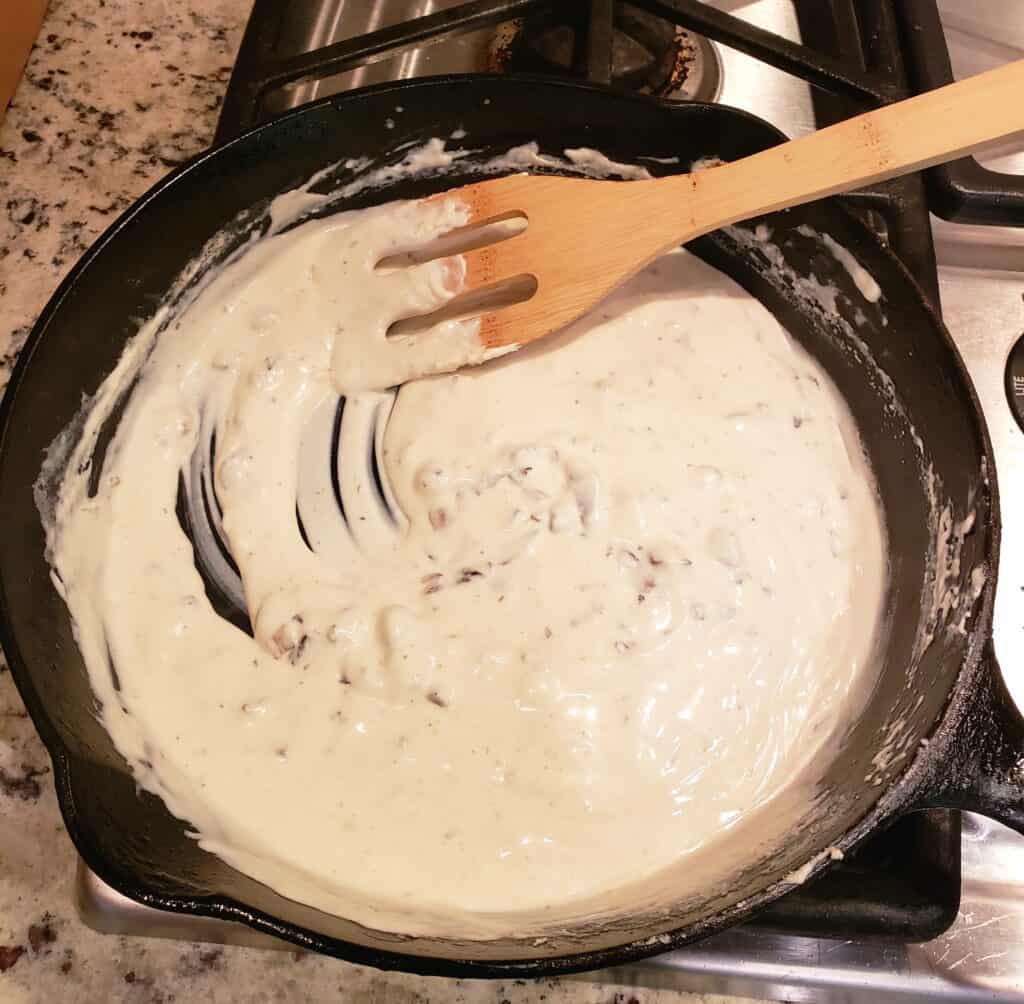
<point>950,694</point>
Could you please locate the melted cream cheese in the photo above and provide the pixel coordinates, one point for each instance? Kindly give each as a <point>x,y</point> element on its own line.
<point>627,594</point>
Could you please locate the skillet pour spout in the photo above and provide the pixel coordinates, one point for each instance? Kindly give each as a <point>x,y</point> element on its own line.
<point>949,695</point>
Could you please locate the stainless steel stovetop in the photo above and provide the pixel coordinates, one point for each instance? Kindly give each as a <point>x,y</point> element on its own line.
<point>981,277</point>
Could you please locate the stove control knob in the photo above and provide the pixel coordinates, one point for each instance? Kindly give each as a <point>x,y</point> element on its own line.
<point>1015,381</point>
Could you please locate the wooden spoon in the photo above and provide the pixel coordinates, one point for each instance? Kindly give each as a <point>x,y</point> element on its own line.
<point>583,237</point>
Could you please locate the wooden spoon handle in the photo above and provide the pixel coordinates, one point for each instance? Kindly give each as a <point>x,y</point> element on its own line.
<point>909,135</point>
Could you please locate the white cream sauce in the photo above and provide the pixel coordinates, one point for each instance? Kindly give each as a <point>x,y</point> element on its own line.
<point>862,278</point>
<point>629,596</point>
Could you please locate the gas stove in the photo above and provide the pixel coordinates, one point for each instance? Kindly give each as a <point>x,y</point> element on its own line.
<point>935,906</point>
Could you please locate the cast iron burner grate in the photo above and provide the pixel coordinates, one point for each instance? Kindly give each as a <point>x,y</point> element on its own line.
<point>904,884</point>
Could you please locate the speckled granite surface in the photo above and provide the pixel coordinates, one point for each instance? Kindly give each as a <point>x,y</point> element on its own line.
<point>116,93</point>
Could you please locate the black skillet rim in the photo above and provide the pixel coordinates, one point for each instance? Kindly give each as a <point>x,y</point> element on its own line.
<point>901,795</point>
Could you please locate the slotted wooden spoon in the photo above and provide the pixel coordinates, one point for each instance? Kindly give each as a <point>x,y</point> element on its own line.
<point>584,237</point>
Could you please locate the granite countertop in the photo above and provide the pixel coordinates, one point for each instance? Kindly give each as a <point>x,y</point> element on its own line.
<point>115,95</point>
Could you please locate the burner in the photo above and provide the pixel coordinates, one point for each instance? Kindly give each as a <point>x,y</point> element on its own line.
<point>649,54</point>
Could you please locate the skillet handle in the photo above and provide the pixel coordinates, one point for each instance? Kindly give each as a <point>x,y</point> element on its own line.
<point>983,766</point>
